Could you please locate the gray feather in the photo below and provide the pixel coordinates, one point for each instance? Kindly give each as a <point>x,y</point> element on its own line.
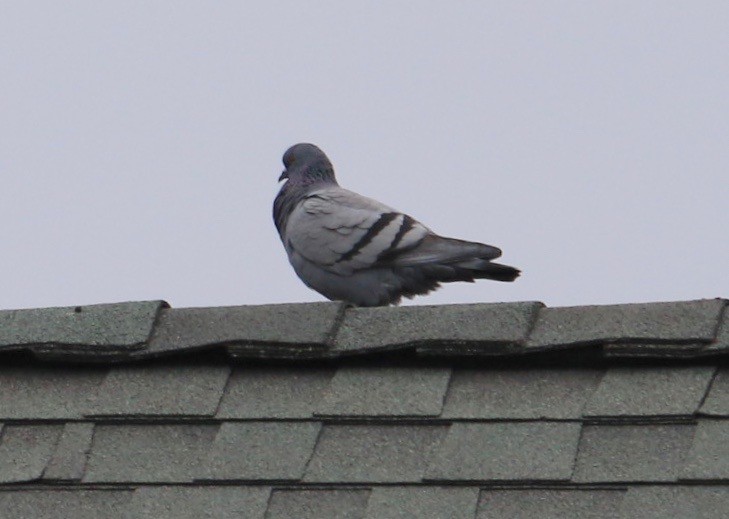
<point>355,249</point>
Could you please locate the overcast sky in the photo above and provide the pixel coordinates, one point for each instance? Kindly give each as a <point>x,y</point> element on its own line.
<point>141,142</point>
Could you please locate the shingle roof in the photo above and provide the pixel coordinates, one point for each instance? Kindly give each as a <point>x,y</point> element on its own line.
<point>318,410</point>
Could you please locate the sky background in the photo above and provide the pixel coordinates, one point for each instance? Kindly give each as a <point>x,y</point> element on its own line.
<point>141,142</point>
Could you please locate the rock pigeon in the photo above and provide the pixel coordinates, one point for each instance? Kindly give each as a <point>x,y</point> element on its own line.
<point>354,249</point>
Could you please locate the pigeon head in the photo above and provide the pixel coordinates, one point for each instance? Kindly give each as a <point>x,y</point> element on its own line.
<point>306,164</point>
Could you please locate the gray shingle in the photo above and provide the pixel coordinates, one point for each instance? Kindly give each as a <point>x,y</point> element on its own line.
<point>159,390</point>
<point>709,454</point>
<point>317,504</point>
<point>689,321</point>
<point>717,401</point>
<point>550,504</point>
<point>64,504</point>
<point>449,328</point>
<point>650,391</point>
<point>274,392</point>
<point>368,453</point>
<point>722,336</point>
<point>260,331</point>
<point>675,502</point>
<point>506,451</point>
<point>385,391</point>
<point>148,453</point>
<point>632,453</point>
<point>25,451</point>
<point>68,462</point>
<point>275,451</point>
<point>522,393</point>
<point>198,502</point>
<point>41,392</point>
<point>422,503</point>
<point>119,326</point>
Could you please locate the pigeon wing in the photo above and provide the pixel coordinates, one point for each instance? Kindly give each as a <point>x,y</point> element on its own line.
<point>341,231</point>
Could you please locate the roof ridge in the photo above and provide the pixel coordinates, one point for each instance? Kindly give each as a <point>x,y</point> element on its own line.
<point>132,331</point>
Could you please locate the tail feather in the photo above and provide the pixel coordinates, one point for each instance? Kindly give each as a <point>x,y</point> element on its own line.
<point>497,272</point>
<point>437,260</point>
<point>436,249</point>
<point>413,281</point>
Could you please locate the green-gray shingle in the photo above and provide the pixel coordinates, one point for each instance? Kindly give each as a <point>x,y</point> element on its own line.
<point>519,393</point>
<point>276,451</point>
<point>423,502</point>
<point>675,502</point>
<point>47,392</point>
<point>274,392</point>
<point>160,390</point>
<point>118,326</point>
<point>64,503</point>
<point>614,453</point>
<point>708,458</point>
<point>686,321</point>
<point>506,451</point>
<point>25,451</point>
<point>373,453</point>
<point>551,504</point>
<point>265,330</point>
<point>385,391</point>
<point>721,344</point>
<point>198,502</point>
<point>68,462</point>
<point>717,401</point>
<point>148,453</point>
<point>650,391</point>
<point>318,504</point>
<point>479,326</point>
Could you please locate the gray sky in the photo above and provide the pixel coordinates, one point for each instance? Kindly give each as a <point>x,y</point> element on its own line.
<point>140,142</point>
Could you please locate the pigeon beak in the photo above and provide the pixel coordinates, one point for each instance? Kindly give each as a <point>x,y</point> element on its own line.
<point>284,174</point>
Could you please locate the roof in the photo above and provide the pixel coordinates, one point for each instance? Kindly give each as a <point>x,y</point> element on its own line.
<point>319,410</point>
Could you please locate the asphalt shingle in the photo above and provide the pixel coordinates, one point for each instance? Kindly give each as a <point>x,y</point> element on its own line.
<point>450,328</point>
<point>317,504</point>
<point>25,451</point>
<point>284,330</point>
<point>276,451</point>
<point>160,390</point>
<point>717,401</point>
<point>148,453</point>
<point>274,392</point>
<point>385,391</point>
<point>650,391</point>
<point>708,458</point>
<point>198,502</point>
<point>373,453</point>
<point>86,330</point>
<point>47,392</point>
<point>688,321</point>
<point>519,393</point>
<point>422,503</point>
<point>68,462</point>
<point>675,502</point>
<point>614,453</point>
<point>64,503</point>
<point>550,504</point>
<point>506,451</point>
<point>721,344</point>
<point>380,436</point>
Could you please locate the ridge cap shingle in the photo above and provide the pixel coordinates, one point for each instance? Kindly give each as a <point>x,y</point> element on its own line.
<point>133,331</point>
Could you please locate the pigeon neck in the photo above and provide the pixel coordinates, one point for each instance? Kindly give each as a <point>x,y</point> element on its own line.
<point>316,175</point>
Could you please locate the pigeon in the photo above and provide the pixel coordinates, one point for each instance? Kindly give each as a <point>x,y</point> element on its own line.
<point>355,249</point>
